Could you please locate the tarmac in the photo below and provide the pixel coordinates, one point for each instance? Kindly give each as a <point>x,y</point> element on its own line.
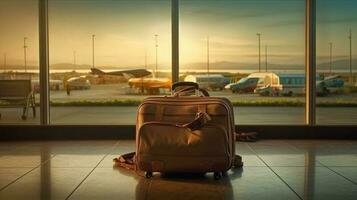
<point>123,115</point>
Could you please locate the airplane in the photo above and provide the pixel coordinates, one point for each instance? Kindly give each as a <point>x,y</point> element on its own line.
<point>137,73</point>
<point>150,85</point>
<point>253,81</point>
<point>137,78</point>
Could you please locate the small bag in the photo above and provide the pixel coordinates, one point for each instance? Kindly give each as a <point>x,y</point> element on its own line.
<point>181,133</point>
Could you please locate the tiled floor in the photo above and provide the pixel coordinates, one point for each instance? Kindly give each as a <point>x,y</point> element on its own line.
<point>274,169</point>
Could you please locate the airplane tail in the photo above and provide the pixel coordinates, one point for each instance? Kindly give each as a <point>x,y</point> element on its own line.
<point>97,71</point>
<point>127,76</point>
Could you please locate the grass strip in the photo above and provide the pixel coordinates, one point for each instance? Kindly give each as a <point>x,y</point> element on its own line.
<point>238,103</point>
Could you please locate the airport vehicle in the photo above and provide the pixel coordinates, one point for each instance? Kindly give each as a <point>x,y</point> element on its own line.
<point>333,81</point>
<point>330,84</point>
<point>253,81</point>
<point>210,82</point>
<point>78,83</point>
<point>150,85</point>
<point>294,84</point>
<point>269,90</point>
<point>132,73</point>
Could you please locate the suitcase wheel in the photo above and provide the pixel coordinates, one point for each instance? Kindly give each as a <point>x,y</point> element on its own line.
<point>217,175</point>
<point>148,174</point>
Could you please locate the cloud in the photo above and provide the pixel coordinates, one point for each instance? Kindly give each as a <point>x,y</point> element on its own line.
<point>326,20</point>
<point>319,21</point>
<point>334,57</point>
<point>277,55</point>
<point>225,43</point>
<point>238,10</point>
<point>228,43</point>
<point>291,22</point>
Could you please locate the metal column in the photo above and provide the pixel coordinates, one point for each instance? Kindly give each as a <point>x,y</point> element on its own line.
<point>175,39</point>
<point>44,63</point>
<point>310,62</point>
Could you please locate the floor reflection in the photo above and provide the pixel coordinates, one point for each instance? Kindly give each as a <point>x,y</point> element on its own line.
<point>182,185</point>
<point>309,183</point>
<point>45,170</point>
<point>83,170</point>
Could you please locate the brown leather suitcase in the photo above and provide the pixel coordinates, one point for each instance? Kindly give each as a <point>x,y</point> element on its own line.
<point>182,133</point>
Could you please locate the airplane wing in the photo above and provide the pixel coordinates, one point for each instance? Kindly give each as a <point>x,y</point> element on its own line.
<point>137,73</point>
<point>97,71</point>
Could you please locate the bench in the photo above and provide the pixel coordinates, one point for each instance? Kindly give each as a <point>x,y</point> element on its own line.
<point>17,93</point>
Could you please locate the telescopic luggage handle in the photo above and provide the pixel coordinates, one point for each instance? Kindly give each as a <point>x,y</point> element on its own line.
<point>190,90</point>
<point>184,84</point>
<point>188,87</point>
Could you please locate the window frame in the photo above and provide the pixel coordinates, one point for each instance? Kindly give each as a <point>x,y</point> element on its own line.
<point>310,57</point>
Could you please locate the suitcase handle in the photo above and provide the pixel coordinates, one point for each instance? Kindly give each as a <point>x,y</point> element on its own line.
<point>190,90</point>
<point>190,87</point>
<point>184,83</point>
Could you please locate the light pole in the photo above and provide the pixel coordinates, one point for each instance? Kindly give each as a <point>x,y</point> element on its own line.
<point>25,47</point>
<point>146,59</point>
<point>259,35</point>
<point>208,56</point>
<point>350,37</point>
<point>4,62</point>
<point>74,58</point>
<point>330,57</point>
<point>93,37</point>
<point>266,58</point>
<point>156,46</point>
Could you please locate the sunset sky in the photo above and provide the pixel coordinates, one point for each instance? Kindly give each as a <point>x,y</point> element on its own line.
<point>125,30</point>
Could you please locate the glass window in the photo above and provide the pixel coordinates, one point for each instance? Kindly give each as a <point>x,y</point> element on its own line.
<point>336,52</point>
<point>105,57</point>
<point>237,39</point>
<point>19,71</point>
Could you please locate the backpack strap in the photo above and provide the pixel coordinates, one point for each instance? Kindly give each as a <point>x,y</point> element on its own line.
<point>126,161</point>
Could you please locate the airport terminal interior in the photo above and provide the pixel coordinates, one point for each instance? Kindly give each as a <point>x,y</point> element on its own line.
<point>74,73</point>
<point>273,169</point>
